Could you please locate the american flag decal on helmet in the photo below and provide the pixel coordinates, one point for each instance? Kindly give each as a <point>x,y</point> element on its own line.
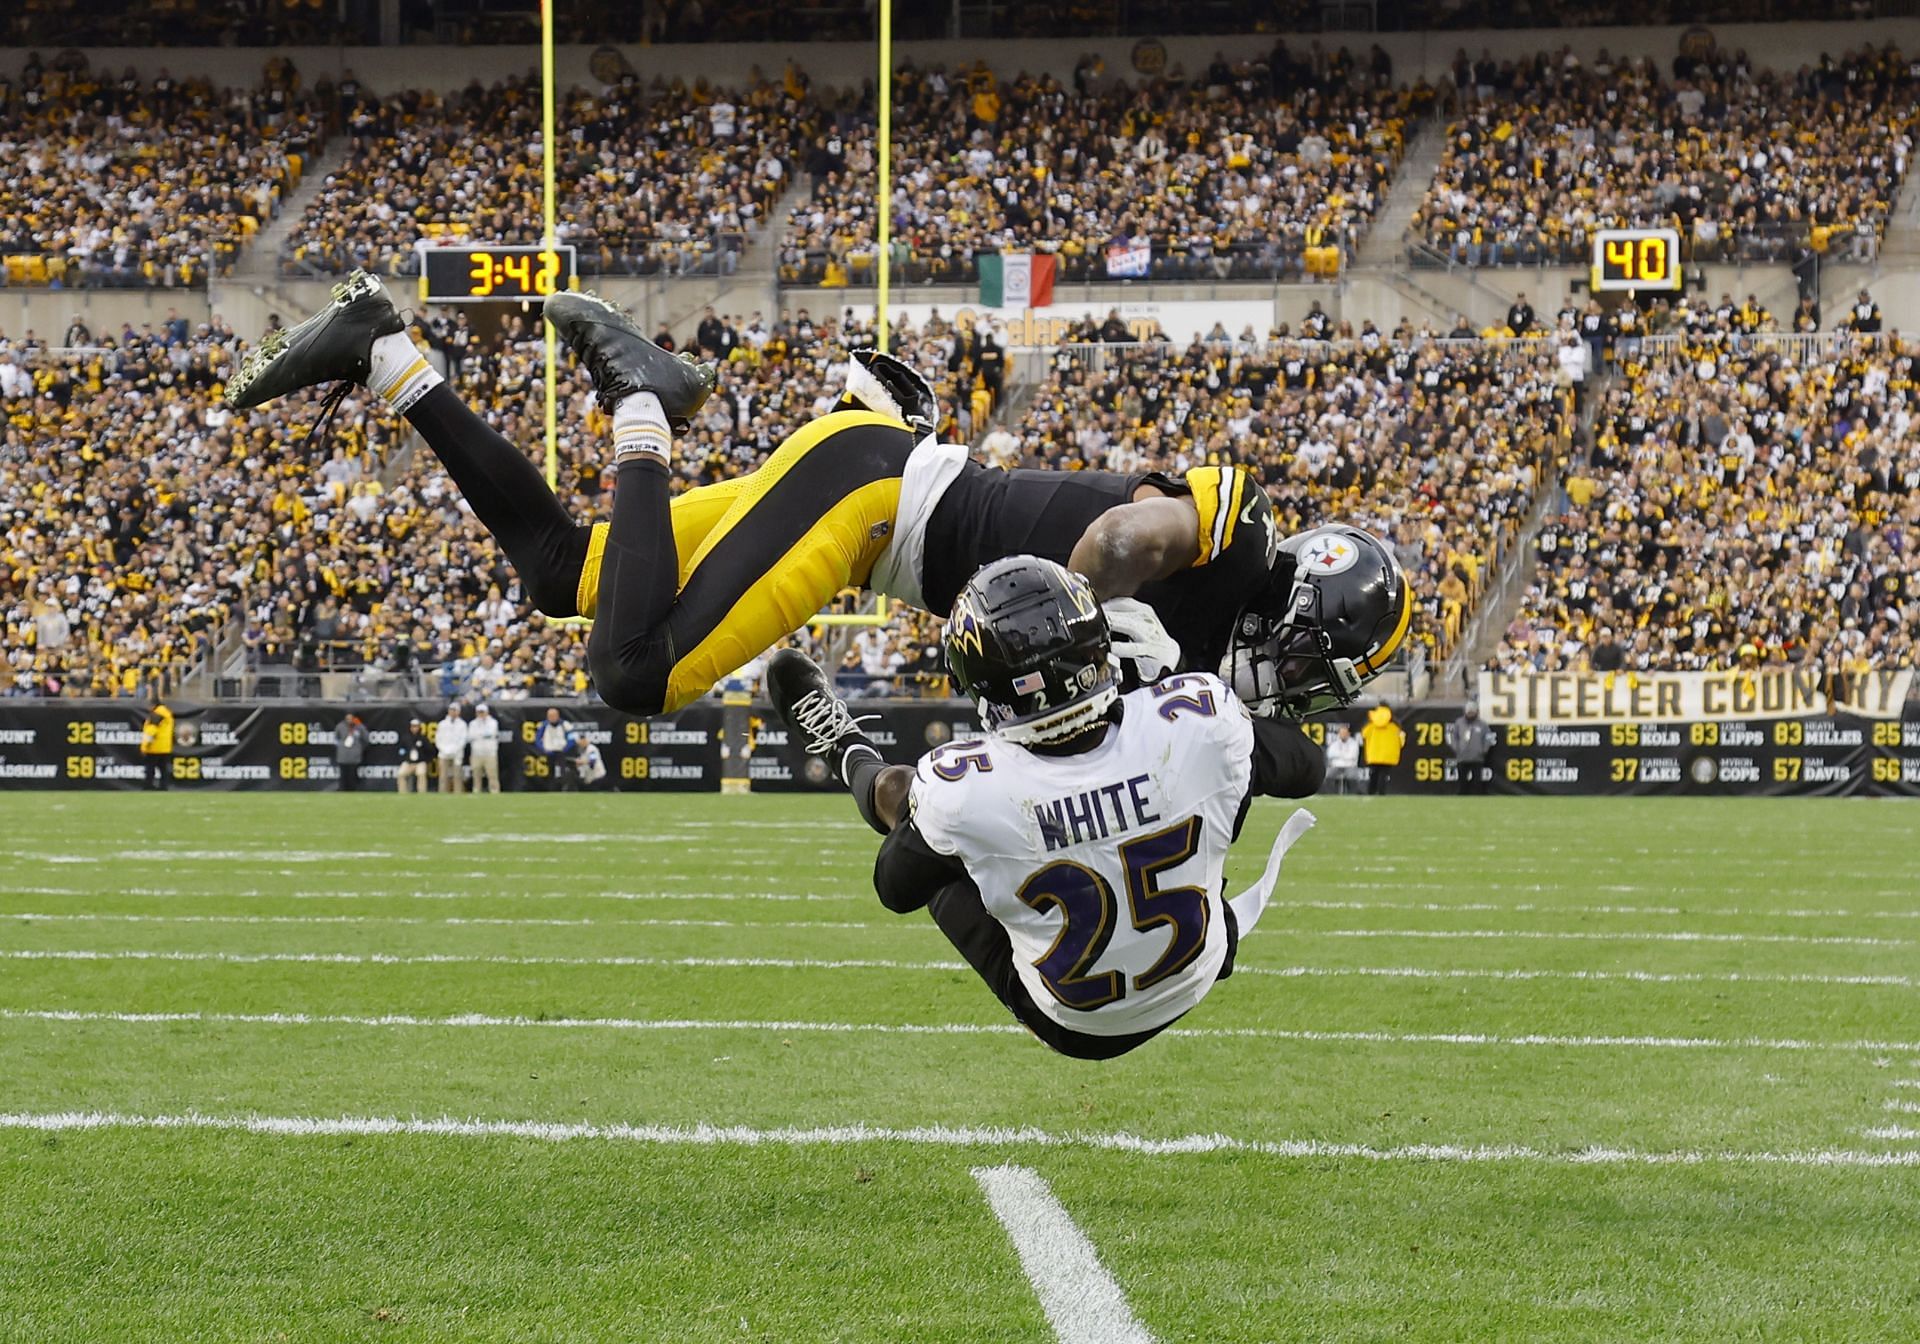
<point>1028,683</point>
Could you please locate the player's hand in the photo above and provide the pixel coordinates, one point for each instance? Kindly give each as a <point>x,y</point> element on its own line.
<point>889,386</point>
<point>1145,650</point>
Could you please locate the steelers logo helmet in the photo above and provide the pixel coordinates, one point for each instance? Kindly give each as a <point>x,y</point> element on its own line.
<point>1335,615</point>
<point>1028,644</point>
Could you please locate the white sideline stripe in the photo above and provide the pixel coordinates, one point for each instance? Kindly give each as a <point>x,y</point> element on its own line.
<point>1082,1302</point>
<point>1604,936</point>
<point>939,1136</point>
<point>910,926</point>
<point>1637,977</point>
<point>1429,907</point>
<point>1899,1133</point>
<point>881,964</point>
<point>459,959</point>
<point>779,1027</point>
<point>114,917</point>
<point>258,895</point>
<point>1552,908</point>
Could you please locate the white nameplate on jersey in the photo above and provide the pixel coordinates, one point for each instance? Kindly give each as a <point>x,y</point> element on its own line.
<point>1250,904</point>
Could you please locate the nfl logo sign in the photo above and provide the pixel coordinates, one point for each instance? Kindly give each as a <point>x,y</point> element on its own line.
<point>1028,683</point>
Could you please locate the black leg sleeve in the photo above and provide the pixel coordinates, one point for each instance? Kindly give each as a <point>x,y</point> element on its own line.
<point>510,497</point>
<point>630,651</point>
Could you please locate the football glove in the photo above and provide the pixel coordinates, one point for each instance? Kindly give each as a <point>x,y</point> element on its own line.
<point>1145,650</point>
<point>892,387</point>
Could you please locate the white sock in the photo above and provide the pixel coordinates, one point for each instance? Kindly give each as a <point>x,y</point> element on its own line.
<point>640,426</point>
<point>400,374</point>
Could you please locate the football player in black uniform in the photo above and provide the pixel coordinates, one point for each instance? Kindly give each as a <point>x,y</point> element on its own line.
<point>685,588</point>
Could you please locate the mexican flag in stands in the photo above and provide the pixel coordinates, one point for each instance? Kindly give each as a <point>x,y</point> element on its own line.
<point>1016,279</point>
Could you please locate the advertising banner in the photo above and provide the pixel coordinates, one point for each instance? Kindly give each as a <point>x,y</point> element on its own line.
<point>81,744</point>
<point>1688,697</point>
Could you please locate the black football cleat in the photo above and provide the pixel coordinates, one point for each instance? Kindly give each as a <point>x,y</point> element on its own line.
<point>622,361</point>
<point>334,345</point>
<point>804,697</point>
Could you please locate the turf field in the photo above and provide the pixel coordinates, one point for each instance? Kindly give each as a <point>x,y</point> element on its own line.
<point>553,1068</point>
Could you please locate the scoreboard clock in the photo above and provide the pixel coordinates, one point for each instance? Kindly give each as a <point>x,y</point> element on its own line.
<point>1636,259</point>
<point>487,274</point>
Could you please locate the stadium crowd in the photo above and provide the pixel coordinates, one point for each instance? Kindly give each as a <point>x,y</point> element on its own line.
<point>1268,167</point>
<point>109,180</point>
<point>139,513</point>
<point>140,516</point>
<point>667,177</point>
<point>1747,500</point>
<point>1745,165</point>
<point>1439,446</point>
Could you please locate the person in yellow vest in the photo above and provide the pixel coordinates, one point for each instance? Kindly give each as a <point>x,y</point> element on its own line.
<point>156,744</point>
<point>1380,743</point>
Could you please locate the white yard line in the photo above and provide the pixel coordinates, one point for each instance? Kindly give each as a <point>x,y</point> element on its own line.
<point>939,1136</point>
<point>583,922</point>
<point>255,894</point>
<point>1636,977</point>
<point>1905,1107</point>
<point>1897,1133</point>
<point>1553,908</point>
<point>1603,936</point>
<point>800,963</point>
<point>468,1021</point>
<point>1082,1302</point>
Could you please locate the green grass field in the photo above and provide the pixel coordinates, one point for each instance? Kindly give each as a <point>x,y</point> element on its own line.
<point>657,1068</point>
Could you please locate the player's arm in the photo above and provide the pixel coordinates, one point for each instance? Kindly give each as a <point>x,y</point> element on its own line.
<point>1286,763</point>
<point>1136,544</point>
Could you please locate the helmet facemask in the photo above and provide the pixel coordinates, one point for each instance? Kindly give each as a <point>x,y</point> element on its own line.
<point>1285,666</point>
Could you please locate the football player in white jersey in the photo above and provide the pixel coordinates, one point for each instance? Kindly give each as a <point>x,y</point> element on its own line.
<point>1074,854</point>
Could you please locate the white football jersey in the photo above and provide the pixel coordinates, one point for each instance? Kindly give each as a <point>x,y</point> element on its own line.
<point>1105,867</point>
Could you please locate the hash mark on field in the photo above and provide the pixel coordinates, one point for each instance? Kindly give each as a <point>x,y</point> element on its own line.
<point>1905,1107</point>
<point>1082,1302</point>
<point>1899,1133</point>
<point>942,1136</point>
<point>483,1020</point>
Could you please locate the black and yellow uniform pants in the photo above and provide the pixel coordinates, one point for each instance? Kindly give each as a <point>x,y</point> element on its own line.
<point>685,588</point>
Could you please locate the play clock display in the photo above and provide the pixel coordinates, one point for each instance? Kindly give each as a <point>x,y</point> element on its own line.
<point>1636,259</point>
<point>483,274</point>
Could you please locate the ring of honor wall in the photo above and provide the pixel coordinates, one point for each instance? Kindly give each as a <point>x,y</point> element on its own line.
<point>1565,739</point>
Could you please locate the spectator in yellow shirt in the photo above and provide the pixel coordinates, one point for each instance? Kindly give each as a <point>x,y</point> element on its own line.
<point>156,744</point>
<point>1380,743</point>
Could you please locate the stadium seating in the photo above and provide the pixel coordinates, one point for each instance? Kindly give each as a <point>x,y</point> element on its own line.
<point>1747,166</point>
<point>109,181</point>
<point>1231,175</point>
<point>669,178</point>
<point>1749,499</point>
<point>139,513</point>
<point>125,549</point>
<point>1439,446</point>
